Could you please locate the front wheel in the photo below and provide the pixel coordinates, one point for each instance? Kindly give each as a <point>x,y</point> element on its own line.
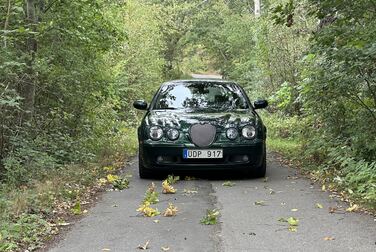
<point>261,170</point>
<point>142,171</point>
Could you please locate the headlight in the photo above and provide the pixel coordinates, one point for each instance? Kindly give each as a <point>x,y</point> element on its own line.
<point>155,133</point>
<point>232,133</point>
<point>249,132</point>
<point>173,134</point>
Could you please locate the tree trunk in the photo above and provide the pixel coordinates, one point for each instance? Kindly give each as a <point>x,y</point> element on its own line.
<point>28,87</point>
<point>257,8</point>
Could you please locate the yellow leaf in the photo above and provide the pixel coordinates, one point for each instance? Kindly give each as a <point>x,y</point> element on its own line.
<point>293,221</point>
<point>294,210</point>
<point>352,208</point>
<point>329,238</point>
<point>156,221</point>
<point>293,228</point>
<point>111,178</point>
<point>167,188</point>
<point>106,249</point>
<point>148,211</point>
<point>323,188</point>
<point>318,205</point>
<point>102,181</point>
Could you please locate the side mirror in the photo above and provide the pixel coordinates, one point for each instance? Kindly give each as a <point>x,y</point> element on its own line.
<point>260,104</point>
<point>140,104</point>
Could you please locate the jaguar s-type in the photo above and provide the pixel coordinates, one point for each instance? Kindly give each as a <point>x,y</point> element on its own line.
<point>194,125</point>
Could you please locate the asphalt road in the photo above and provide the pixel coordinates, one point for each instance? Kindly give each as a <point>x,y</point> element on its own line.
<point>113,224</point>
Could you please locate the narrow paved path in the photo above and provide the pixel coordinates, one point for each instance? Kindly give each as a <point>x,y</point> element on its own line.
<point>113,223</point>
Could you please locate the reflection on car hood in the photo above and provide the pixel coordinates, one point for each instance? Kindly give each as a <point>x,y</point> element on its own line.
<point>182,119</point>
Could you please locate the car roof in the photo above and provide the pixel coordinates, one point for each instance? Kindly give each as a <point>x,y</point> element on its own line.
<point>203,81</point>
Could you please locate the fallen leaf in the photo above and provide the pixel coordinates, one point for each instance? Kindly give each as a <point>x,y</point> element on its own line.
<point>329,238</point>
<point>293,229</point>
<point>144,247</point>
<point>148,211</point>
<point>187,191</point>
<point>171,179</point>
<point>266,179</point>
<point>170,211</point>
<point>323,188</point>
<point>106,249</point>
<point>111,178</point>
<point>167,188</point>
<point>228,183</point>
<point>76,209</point>
<point>114,205</point>
<point>352,208</point>
<point>156,221</point>
<point>210,218</point>
<point>332,209</point>
<point>259,203</point>
<point>318,205</point>
<point>63,224</point>
<point>165,248</point>
<point>293,221</point>
<point>271,191</point>
<point>294,210</point>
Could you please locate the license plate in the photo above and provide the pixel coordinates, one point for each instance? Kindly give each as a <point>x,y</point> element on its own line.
<point>188,154</point>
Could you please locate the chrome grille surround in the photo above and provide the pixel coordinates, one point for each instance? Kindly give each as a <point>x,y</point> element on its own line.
<point>202,135</point>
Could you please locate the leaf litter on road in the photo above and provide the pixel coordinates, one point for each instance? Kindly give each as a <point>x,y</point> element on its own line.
<point>171,179</point>
<point>151,195</point>
<point>228,184</point>
<point>292,223</point>
<point>148,211</point>
<point>170,211</point>
<point>144,246</point>
<point>211,217</point>
<point>259,203</point>
<point>318,205</point>
<point>167,188</point>
<point>190,191</point>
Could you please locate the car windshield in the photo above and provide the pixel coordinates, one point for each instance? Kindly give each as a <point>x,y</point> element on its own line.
<point>201,96</point>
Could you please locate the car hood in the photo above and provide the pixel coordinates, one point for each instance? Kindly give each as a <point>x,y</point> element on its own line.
<point>183,120</point>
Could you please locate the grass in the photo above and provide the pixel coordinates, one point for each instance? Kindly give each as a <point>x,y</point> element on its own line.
<point>30,214</point>
<point>290,148</point>
<point>355,179</point>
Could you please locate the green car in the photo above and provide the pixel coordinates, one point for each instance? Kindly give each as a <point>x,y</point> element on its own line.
<point>194,125</point>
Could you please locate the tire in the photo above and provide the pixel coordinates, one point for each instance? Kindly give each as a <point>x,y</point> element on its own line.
<point>261,170</point>
<point>142,171</point>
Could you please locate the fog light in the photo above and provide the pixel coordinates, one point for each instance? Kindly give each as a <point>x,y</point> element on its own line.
<point>245,158</point>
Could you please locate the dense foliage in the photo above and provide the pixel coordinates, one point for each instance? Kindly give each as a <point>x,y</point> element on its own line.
<point>315,60</point>
<point>70,70</point>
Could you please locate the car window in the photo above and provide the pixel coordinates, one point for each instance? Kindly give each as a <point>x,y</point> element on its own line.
<point>201,96</point>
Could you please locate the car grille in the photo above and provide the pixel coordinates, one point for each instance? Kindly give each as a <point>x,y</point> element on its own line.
<point>202,135</point>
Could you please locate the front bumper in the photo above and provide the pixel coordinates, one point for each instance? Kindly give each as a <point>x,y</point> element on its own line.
<point>169,157</point>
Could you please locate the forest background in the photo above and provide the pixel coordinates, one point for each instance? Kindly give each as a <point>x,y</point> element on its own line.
<point>70,71</point>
